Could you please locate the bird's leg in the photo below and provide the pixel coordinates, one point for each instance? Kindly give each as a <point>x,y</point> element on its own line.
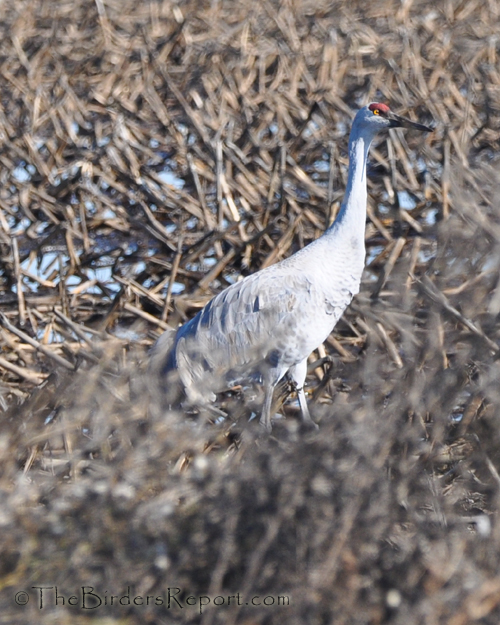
<point>304,409</point>
<point>306,417</point>
<point>265,417</point>
<point>297,375</point>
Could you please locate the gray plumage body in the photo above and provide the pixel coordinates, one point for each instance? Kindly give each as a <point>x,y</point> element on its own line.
<point>266,325</point>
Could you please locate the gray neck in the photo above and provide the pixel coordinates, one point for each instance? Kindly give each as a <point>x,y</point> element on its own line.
<point>352,212</point>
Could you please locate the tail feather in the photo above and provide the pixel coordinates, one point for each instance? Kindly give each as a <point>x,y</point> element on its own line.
<point>164,384</point>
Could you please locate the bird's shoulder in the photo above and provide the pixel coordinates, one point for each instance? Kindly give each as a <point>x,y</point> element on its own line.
<point>262,298</point>
<point>277,288</point>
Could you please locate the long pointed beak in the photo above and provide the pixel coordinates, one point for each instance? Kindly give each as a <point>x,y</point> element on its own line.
<point>401,122</point>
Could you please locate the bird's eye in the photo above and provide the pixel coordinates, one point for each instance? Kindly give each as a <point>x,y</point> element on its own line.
<point>376,112</point>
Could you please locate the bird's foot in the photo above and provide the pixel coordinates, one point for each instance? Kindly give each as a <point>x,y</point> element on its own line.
<point>266,423</point>
<point>310,425</point>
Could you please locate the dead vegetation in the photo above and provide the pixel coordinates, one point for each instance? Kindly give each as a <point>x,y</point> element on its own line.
<point>153,152</point>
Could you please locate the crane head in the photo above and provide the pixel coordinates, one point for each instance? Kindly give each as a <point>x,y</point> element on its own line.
<point>378,115</point>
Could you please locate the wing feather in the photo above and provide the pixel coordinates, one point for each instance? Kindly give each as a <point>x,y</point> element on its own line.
<point>241,325</point>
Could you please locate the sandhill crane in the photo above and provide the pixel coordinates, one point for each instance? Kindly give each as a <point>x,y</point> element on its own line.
<point>265,326</point>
